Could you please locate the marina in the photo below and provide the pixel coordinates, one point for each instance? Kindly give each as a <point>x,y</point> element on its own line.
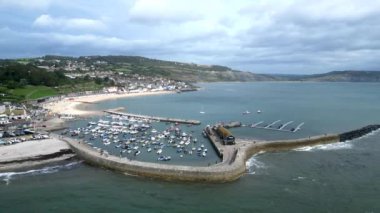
<point>137,138</point>
<point>169,140</point>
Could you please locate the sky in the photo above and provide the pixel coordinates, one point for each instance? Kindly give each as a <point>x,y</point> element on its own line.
<point>262,36</point>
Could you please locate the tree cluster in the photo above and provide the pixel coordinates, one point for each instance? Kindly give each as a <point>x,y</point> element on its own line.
<point>16,75</point>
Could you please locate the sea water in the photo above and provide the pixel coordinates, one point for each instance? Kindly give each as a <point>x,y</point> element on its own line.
<point>340,177</point>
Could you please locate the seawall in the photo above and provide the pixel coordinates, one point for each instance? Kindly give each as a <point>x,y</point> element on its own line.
<point>228,170</point>
<point>231,168</point>
<point>216,173</point>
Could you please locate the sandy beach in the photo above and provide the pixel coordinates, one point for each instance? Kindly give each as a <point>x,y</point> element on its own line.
<point>70,106</point>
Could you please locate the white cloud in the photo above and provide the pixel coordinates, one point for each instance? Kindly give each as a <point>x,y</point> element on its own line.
<point>68,23</point>
<point>26,4</point>
<point>155,11</point>
<point>96,41</point>
<point>260,35</point>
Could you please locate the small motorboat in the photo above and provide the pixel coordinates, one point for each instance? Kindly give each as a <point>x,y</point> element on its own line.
<point>246,112</point>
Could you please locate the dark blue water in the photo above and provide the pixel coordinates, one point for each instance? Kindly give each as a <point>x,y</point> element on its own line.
<point>331,178</point>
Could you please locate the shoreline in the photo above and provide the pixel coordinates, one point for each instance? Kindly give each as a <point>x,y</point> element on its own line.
<point>74,106</point>
<point>33,153</point>
<point>12,167</point>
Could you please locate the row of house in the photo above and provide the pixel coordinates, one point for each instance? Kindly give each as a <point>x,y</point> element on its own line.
<point>12,112</point>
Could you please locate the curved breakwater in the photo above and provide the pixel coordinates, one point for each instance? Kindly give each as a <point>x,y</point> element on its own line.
<point>216,173</point>
<point>222,172</point>
<point>231,168</point>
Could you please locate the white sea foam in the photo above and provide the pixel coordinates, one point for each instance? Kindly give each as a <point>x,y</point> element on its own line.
<point>253,164</point>
<point>365,136</point>
<point>336,146</point>
<point>7,176</point>
<point>299,178</point>
<point>326,147</point>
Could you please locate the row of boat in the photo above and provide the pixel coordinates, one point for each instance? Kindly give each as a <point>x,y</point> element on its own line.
<point>129,137</point>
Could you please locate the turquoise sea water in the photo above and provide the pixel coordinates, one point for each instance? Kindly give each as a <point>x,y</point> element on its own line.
<point>331,178</point>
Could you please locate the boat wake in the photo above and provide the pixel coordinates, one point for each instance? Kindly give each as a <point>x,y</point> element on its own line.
<point>253,164</point>
<point>326,147</point>
<point>7,176</point>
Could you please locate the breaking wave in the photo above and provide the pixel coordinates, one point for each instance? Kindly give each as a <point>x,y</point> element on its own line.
<point>253,164</point>
<point>7,176</point>
<point>336,146</point>
<point>299,178</point>
<point>326,147</point>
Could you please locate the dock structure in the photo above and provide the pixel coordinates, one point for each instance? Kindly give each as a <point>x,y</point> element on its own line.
<point>256,124</point>
<point>162,119</point>
<point>270,125</point>
<point>298,127</point>
<point>215,140</point>
<point>281,128</point>
<point>226,152</point>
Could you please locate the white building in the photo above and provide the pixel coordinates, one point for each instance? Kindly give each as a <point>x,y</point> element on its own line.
<point>2,109</point>
<point>4,119</point>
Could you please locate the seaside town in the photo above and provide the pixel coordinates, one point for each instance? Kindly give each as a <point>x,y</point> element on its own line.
<point>46,94</point>
<point>24,123</point>
<point>40,121</point>
<point>18,119</point>
<point>181,106</point>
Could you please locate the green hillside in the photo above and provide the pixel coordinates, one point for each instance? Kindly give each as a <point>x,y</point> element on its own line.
<point>153,67</point>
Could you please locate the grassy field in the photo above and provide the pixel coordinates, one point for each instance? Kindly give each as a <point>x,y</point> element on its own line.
<point>88,86</point>
<point>34,92</point>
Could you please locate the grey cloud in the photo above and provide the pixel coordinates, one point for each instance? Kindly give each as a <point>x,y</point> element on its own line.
<point>272,36</point>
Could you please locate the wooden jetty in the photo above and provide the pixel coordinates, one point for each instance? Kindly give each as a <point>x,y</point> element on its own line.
<point>162,119</point>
